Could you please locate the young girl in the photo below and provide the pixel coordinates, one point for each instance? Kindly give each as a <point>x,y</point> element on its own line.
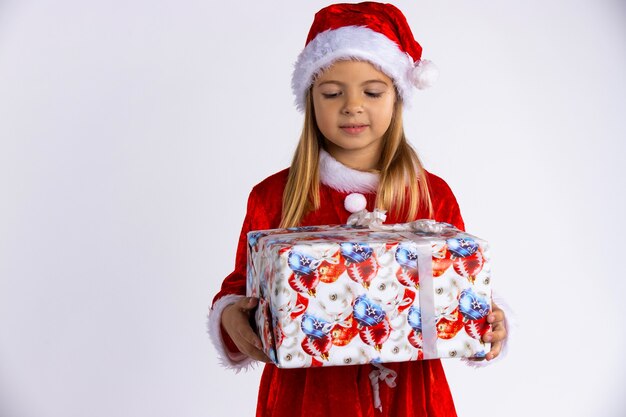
<point>359,66</point>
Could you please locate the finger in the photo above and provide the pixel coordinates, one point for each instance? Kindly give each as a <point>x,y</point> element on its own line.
<point>253,350</point>
<point>246,304</point>
<point>250,343</point>
<point>495,316</point>
<point>494,352</point>
<point>249,336</point>
<point>498,333</point>
<point>259,355</point>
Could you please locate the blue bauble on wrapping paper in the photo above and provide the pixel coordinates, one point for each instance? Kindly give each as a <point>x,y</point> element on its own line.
<point>472,306</point>
<point>314,327</point>
<point>300,263</point>
<point>406,256</point>
<point>415,318</point>
<point>462,247</point>
<point>366,312</point>
<point>355,252</point>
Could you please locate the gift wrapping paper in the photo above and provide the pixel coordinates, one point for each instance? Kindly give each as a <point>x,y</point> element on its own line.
<point>344,295</point>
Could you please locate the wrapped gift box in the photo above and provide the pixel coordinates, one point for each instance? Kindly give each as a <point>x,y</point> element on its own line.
<point>343,295</point>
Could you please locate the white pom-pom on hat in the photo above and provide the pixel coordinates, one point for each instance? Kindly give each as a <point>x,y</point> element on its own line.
<point>424,74</point>
<point>355,202</point>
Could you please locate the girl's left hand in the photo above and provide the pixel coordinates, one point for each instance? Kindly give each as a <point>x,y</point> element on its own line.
<point>497,333</point>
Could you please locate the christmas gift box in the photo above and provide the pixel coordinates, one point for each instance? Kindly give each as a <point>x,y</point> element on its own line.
<point>343,295</point>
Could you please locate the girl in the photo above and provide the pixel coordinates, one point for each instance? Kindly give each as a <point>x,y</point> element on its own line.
<point>358,68</point>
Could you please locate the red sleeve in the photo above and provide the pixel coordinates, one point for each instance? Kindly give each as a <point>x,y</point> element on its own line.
<point>235,282</point>
<point>263,212</point>
<point>445,207</point>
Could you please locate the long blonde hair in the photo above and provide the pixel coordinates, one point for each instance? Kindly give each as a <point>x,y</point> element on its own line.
<point>402,176</point>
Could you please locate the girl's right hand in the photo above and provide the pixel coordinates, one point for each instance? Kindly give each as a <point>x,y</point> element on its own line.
<point>236,322</point>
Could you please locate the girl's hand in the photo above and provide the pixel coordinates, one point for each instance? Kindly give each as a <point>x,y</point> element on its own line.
<point>497,333</point>
<point>236,322</point>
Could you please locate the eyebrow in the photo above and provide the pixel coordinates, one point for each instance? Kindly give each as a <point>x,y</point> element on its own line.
<point>363,83</point>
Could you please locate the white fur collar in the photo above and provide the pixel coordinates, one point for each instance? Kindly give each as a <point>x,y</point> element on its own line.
<point>342,178</point>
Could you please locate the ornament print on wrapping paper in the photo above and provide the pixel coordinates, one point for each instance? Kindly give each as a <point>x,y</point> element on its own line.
<point>305,323</point>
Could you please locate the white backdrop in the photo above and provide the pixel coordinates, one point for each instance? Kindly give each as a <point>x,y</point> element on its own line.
<point>132,131</point>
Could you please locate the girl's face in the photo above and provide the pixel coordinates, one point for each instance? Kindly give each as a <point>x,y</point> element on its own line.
<point>354,105</point>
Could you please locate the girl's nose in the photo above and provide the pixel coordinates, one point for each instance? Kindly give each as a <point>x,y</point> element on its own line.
<point>352,106</point>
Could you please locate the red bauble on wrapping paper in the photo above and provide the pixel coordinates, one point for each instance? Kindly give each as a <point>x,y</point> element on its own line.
<point>470,266</point>
<point>330,269</point>
<point>415,339</point>
<point>363,272</point>
<point>441,261</point>
<point>343,333</point>
<point>304,283</point>
<point>317,347</point>
<point>477,328</point>
<point>448,327</point>
<point>376,335</point>
<point>408,277</point>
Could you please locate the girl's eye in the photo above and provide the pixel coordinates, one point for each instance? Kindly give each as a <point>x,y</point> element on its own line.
<point>373,94</point>
<point>330,95</point>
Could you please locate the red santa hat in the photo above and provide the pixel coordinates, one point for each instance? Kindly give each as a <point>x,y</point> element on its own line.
<point>373,32</point>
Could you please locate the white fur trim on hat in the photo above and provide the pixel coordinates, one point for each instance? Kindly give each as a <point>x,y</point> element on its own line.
<point>342,178</point>
<point>352,42</point>
<point>233,360</point>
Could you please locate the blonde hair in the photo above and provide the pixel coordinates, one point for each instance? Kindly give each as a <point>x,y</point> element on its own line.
<point>402,176</point>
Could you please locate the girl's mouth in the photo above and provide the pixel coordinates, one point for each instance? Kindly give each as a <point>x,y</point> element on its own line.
<point>353,129</point>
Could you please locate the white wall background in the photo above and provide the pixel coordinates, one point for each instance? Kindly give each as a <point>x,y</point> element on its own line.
<point>132,131</point>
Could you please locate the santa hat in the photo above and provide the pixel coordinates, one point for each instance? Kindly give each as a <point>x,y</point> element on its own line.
<point>373,32</point>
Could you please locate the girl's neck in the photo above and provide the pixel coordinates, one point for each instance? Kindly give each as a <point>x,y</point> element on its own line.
<point>361,159</point>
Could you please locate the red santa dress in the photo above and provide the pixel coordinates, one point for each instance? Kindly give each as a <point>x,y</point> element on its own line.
<point>420,388</point>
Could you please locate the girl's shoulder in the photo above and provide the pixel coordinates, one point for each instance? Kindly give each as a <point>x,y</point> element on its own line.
<point>444,203</point>
<point>273,182</point>
<point>265,202</point>
<point>438,187</point>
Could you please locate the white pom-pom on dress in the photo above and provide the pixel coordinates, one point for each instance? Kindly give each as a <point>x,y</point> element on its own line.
<point>355,202</point>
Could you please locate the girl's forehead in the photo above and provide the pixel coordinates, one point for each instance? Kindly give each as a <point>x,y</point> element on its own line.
<point>351,70</point>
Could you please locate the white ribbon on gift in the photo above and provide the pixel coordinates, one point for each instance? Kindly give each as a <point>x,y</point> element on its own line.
<point>383,374</point>
<point>374,221</point>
